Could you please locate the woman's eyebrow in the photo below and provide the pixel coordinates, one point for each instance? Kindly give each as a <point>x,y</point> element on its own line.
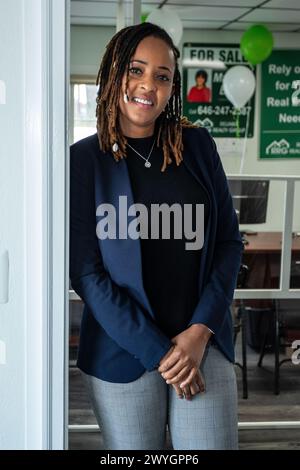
<point>146,63</point>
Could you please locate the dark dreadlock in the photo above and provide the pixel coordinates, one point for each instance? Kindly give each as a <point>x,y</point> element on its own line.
<point>118,54</point>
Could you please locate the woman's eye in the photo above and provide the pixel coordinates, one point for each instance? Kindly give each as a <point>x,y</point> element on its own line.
<point>135,70</point>
<point>164,78</point>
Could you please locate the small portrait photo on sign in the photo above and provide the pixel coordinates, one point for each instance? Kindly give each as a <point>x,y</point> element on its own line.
<point>199,86</point>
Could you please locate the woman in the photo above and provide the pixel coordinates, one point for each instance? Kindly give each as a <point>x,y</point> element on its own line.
<point>200,93</point>
<point>156,327</point>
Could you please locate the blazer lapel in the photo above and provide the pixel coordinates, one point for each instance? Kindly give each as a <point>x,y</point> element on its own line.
<point>127,251</point>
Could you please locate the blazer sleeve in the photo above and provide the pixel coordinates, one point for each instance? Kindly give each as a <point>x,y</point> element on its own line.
<point>123,319</point>
<point>218,292</point>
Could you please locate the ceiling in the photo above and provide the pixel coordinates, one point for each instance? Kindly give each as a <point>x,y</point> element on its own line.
<point>239,15</point>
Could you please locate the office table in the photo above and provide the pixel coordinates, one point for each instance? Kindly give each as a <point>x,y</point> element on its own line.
<point>263,257</point>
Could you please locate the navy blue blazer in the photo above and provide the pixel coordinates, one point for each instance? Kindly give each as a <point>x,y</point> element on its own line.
<point>119,338</point>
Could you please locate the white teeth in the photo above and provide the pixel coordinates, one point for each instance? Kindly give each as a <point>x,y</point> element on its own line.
<point>140,100</point>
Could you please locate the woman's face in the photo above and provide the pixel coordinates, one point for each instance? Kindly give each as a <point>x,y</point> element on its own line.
<point>150,85</point>
<point>200,81</point>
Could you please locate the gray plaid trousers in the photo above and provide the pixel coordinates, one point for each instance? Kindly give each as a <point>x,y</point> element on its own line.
<point>134,415</point>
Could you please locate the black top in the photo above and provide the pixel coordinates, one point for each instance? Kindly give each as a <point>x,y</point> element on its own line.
<point>170,271</point>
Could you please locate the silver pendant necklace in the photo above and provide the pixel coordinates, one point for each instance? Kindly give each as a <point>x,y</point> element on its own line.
<point>147,163</point>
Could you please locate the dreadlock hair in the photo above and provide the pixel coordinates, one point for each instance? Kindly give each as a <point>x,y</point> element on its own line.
<point>114,65</point>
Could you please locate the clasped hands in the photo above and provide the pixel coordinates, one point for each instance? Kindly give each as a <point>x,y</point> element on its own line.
<point>180,366</point>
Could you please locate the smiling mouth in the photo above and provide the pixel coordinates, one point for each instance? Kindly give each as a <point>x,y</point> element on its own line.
<point>142,102</point>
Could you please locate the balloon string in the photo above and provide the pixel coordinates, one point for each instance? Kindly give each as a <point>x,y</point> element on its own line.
<point>237,123</point>
<point>245,138</point>
<point>236,113</point>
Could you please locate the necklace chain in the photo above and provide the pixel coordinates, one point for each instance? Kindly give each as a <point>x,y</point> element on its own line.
<point>147,163</point>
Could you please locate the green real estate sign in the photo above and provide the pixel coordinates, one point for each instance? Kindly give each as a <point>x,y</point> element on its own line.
<point>280,105</point>
<point>209,107</point>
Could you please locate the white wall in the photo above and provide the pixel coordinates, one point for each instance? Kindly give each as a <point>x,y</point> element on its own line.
<point>12,324</point>
<point>33,222</point>
<point>87,46</point>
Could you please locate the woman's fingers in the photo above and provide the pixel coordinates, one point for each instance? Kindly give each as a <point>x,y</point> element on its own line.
<point>189,378</point>
<point>178,391</point>
<point>194,387</point>
<point>187,392</point>
<point>176,377</point>
<point>173,371</point>
<point>200,381</point>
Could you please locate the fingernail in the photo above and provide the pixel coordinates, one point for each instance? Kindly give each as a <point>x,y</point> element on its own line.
<point>167,381</point>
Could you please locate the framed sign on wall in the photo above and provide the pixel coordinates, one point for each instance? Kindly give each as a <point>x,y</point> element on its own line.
<point>280,105</point>
<point>206,64</point>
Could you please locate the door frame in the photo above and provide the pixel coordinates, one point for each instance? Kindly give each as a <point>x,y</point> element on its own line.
<point>46,162</point>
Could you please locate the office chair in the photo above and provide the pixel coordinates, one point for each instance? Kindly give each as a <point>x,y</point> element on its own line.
<point>240,325</point>
<point>278,326</point>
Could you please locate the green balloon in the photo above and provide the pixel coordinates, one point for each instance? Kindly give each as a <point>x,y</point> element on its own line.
<point>144,17</point>
<point>257,44</point>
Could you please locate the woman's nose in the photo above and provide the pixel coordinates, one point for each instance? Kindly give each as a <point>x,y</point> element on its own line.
<point>148,84</point>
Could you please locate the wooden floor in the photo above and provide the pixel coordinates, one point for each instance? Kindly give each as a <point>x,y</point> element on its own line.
<point>261,405</point>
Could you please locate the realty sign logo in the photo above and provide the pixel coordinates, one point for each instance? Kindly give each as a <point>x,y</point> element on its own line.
<point>278,147</point>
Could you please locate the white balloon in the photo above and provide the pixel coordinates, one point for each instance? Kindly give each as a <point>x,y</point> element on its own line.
<point>169,20</point>
<point>239,85</point>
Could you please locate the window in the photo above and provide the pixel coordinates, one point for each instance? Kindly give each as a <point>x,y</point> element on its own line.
<point>83,108</point>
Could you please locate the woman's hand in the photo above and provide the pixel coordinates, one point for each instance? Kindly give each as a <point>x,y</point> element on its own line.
<point>197,386</point>
<point>181,363</point>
